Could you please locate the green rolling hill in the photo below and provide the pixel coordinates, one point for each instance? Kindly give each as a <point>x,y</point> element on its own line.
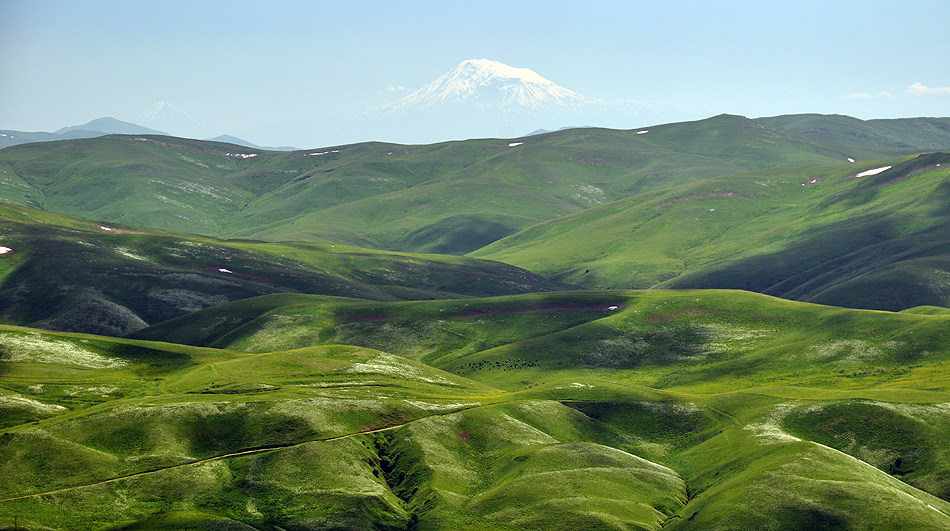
<point>602,410</point>
<point>832,235</point>
<point>868,138</point>
<point>452,197</point>
<point>75,274</point>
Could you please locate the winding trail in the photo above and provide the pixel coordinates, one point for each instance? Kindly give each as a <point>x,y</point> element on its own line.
<point>250,451</point>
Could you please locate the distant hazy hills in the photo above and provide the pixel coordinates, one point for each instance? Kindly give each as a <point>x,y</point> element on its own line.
<point>110,126</point>
<point>95,128</point>
<point>161,115</point>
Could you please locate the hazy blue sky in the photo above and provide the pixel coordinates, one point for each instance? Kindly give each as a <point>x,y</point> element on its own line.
<point>269,71</point>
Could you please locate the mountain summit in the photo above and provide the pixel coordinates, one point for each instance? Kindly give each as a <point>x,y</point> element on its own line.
<point>489,83</point>
<point>167,117</point>
<point>483,98</point>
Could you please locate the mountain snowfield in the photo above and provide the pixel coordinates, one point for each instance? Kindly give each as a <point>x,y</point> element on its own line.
<point>481,98</point>
<point>492,83</point>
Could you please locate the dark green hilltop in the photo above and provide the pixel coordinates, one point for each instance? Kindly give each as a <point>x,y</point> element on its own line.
<point>726,324</point>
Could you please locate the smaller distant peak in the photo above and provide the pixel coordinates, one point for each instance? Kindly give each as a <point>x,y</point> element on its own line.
<point>159,105</point>
<point>483,63</point>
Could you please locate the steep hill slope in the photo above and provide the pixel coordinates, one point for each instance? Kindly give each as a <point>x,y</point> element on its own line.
<point>67,273</point>
<point>388,196</point>
<point>855,235</point>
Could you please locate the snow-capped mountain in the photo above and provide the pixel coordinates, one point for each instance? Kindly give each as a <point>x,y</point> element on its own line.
<point>166,117</point>
<point>490,83</point>
<point>484,98</point>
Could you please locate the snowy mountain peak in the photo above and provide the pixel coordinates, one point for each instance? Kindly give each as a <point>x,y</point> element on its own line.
<point>488,84</point>
<point>483,98</point>
<point>500,70</point>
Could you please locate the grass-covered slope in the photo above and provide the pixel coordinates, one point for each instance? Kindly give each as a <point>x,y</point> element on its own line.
<point>606,410</point>
<point>823,234</point>
<point>606,347</point>
<point>67,273</point>
<point>326,437</point>
<point>866,139</point>
<point>449,197</point>
<point>687,340</point>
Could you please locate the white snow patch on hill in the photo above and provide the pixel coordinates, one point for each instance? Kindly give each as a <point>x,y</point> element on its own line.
<point>875,171</point>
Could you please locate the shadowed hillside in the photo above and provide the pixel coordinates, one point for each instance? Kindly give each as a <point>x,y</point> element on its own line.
<point>68,273</point>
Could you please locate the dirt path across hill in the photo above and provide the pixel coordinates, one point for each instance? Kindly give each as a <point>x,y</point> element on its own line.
<point>258,450</point>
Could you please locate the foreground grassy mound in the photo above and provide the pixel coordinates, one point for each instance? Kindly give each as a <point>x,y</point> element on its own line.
<point>277,439</point>
<point>601,410</point>
<point>75,274</point>
<point>870,235</point>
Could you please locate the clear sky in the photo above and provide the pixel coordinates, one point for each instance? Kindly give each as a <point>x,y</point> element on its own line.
<point>268,71</point>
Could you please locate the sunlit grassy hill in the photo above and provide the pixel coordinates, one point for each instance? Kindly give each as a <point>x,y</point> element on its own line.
<point>451,197</point>
<point>868,139</point>
<point>832,234</point>
<point>76,274</point>
<point>595,410</point>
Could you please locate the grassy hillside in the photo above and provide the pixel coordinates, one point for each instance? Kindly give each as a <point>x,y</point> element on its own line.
<point>450,197</point>
<point>75,274</point>
<point>820,234</point>
<point>600,410</point>
<point>868,138</point>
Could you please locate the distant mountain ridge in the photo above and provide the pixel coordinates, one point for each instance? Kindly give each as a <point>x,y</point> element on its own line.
<point>91,129</point>
<point>110,126</point>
